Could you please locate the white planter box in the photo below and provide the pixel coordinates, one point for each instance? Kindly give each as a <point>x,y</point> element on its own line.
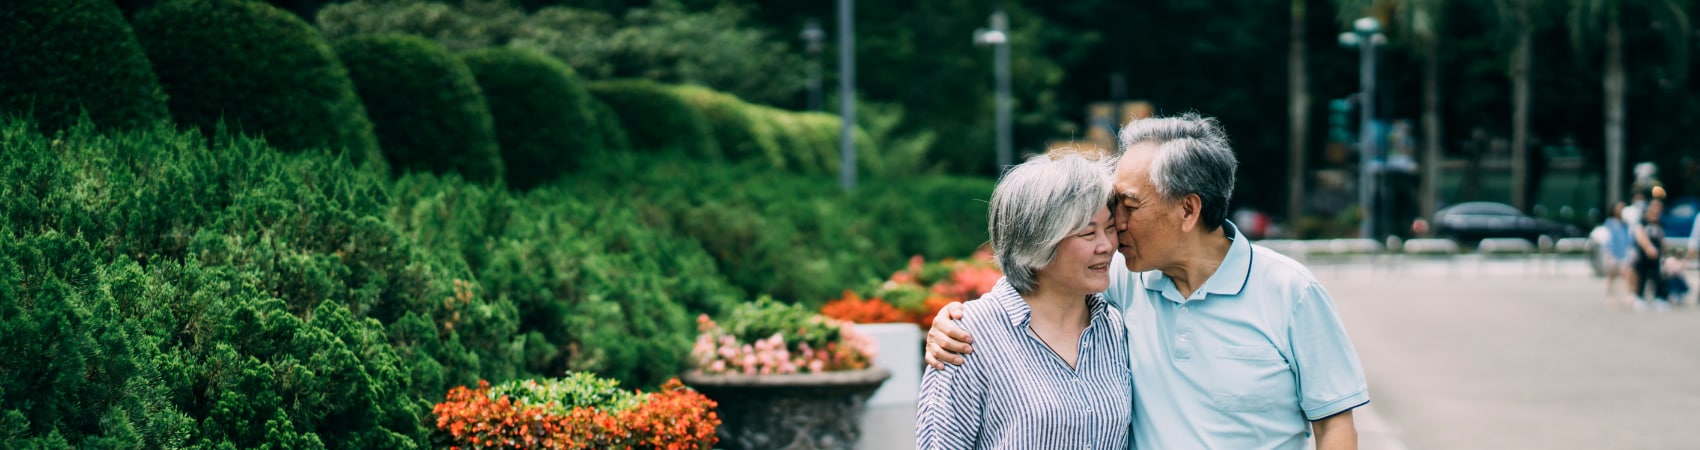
<point>899,353</point>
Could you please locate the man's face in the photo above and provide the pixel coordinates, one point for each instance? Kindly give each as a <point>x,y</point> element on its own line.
<point>1147,223</point>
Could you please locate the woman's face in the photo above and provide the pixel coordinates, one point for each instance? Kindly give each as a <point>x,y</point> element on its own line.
<point>1082,262</point>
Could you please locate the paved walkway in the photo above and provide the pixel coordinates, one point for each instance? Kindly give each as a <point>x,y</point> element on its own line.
<point>1466,353</point>
<point>1510,355</point>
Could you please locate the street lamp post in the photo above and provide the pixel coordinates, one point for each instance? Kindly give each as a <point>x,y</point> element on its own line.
<point>1365,37</point>
<point>998,38</point>
<point>812,36</point>
<point>846,94</point>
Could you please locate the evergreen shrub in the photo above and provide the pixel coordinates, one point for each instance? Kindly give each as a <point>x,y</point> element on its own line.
<point>739,135</point>
<point>544,119</point>
<point>796,237</point>
<point>608,124</point>
<point>276,303</point>
<point>657,117</point>
<point>257,68</point>
<point>425,106</point>
<point>65,57</point>
<point>596,289</point>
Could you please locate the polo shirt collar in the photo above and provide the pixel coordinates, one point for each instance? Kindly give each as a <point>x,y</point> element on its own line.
<point>1230,277</point>
<point>1020,314</point>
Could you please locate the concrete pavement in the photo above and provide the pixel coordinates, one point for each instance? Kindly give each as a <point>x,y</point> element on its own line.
<point>1509,355</point>
<point>1464,353</point>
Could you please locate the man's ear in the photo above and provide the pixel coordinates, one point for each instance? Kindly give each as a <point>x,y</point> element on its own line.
<point>1192,209</point>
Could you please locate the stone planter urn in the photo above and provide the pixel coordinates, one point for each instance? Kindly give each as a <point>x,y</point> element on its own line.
<point>791,411</point>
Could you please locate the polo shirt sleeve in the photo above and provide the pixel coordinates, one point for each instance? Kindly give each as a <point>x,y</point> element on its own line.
<point>1330,378</point>
<point>949,412</point>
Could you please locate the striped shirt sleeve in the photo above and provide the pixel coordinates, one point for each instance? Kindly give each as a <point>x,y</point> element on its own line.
<point>948,416</point>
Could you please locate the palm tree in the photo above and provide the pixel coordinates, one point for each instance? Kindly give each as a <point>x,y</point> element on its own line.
<point>1421,23</point>
<point>1517,21</point>
<point>1587,18</point>
<point>1298,86</point>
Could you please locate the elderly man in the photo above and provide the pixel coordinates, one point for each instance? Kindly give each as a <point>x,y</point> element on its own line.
<point>1231,345</point>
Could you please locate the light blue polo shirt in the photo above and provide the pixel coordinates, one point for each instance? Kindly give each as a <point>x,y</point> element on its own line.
<point>1244,363</point>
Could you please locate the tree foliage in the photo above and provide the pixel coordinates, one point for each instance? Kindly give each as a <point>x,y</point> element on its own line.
<point>660,42</point>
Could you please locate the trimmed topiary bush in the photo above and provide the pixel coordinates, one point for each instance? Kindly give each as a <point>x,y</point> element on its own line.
<point>259,69</point>
<point>544,119</point>
<point>739,134</point>
<point>657,117</point>
<point>425,105</point>
<point>608,123</point>
<point>62,57</point>
<point>792,148</point>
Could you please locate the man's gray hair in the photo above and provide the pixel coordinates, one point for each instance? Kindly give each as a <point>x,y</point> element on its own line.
<point>1037,204</point>
<point>1193,157</point>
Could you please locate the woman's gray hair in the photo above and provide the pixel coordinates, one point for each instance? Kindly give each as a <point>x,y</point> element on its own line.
<point>1193,157</point>
<point>1037,204</point>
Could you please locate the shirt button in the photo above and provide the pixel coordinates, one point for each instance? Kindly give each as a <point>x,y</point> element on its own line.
<point>1183,309</point>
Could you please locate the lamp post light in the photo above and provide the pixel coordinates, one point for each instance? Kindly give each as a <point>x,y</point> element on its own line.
<point>1365,36</point>
<point>812,36</point>
<point>998,39</point>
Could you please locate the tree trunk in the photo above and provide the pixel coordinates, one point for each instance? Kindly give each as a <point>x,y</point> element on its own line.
<point>1614,85</point>
<point>1520,61</point>
<point>1430,197</point>
<point>1298,88</point>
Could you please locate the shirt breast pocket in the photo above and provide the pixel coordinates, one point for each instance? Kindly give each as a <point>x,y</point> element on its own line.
<point>1249,377</point>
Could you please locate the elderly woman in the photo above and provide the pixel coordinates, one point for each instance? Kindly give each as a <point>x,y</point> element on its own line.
<point>1052,371</point>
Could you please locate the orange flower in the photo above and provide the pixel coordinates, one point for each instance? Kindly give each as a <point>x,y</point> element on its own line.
<point>851,307</point>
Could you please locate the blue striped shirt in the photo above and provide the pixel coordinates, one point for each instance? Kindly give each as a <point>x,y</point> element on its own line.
<point>1014,392</point>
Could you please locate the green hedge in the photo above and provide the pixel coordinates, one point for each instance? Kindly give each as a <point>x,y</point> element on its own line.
<point>545,120</point>
<point>739,134</point>
<point>257,68</point>
<point>595,288</point>
<point>425,105</point>
<point>63,57</point>
<point>163,288</point>
<point>657,117</point>
<point>272,300</point>
<point>797,237</point>
<point>608,124</point>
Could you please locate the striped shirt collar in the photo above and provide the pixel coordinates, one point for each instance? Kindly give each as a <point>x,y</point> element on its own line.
<point>1019,313</point>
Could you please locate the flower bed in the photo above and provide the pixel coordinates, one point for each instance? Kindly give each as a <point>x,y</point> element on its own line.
<point>580,411</point>
<point>768,337</point>
<point>916,293</point>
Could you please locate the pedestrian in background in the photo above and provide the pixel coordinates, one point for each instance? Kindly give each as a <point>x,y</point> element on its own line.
<point>1649,248</point>
<point>1618,257</point>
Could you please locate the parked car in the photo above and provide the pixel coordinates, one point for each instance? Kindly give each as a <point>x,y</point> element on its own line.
<point>1470,222</point>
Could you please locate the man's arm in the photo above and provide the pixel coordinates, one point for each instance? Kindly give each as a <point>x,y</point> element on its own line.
<point>946,342</point>
<point>1336,432</point>
<point>1330,379</point>
<point>949,413</point>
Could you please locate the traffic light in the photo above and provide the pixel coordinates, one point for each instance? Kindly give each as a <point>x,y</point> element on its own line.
<point>1340,121</point>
